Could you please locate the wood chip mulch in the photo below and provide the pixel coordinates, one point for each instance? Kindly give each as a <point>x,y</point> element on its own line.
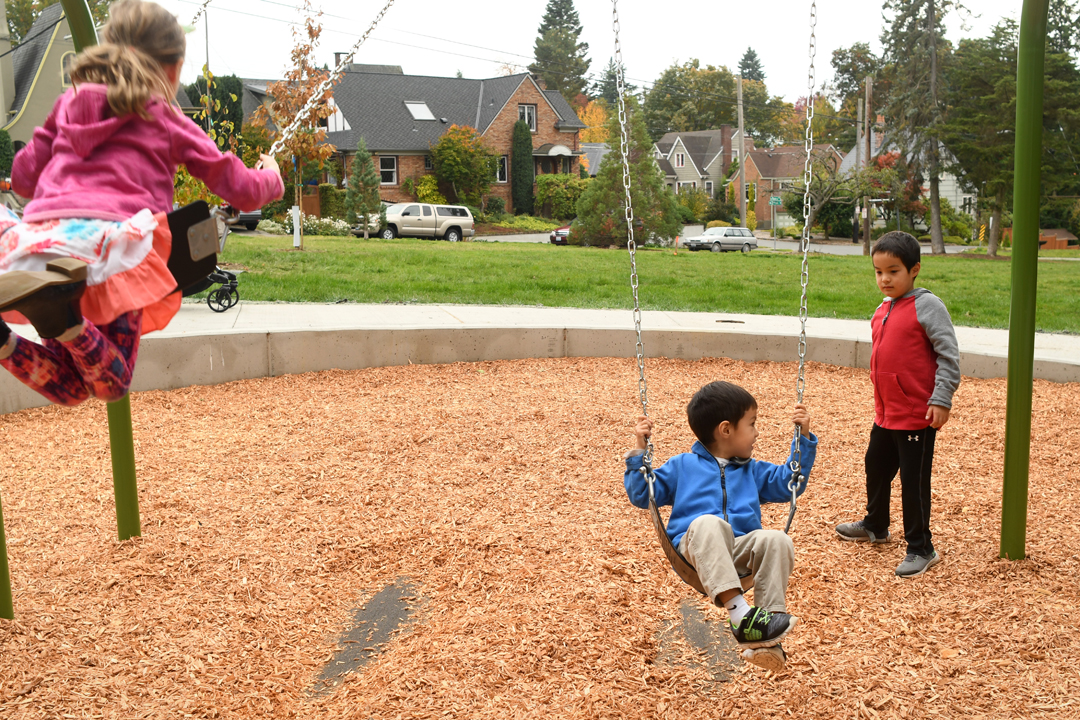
<point>272,508</point>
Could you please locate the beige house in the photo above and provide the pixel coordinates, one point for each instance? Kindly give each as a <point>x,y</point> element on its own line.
<point>35,73</point>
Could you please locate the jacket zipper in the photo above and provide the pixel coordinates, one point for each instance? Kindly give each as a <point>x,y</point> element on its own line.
<point>723,488</point>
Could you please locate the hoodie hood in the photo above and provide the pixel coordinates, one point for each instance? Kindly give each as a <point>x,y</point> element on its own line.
<point>87,121</point>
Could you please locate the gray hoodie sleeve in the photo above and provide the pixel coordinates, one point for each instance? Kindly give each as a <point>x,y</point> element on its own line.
<point>936,323</point>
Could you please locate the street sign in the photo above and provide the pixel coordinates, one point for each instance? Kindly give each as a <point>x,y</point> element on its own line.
<point>775,201</point>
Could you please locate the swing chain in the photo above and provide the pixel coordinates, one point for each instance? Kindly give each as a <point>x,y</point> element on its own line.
<point>624,146</point>
<point>317,96</point>
<point>797,478</point>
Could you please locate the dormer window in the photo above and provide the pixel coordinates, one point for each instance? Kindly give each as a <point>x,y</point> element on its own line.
<point>680,160</point>
<point>419,111</point>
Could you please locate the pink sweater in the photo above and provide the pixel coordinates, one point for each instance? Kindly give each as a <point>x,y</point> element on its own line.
<point>85,162</point>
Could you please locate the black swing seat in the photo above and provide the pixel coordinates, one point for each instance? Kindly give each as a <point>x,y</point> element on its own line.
<point>682,568</point>
<point>195,244</point>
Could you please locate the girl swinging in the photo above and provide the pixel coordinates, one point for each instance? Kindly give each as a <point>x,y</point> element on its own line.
<point>86,265</point>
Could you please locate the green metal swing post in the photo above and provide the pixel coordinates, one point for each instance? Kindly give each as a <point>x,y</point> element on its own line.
<point>7,610</point>
<point>1025,262</point>
<point>121,440</point>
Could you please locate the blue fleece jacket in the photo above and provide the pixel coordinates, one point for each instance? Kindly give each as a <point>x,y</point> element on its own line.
<point>694,484</point>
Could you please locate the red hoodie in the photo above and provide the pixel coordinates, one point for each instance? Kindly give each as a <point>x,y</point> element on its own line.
<point>85,162</point>
<point>915,360</point>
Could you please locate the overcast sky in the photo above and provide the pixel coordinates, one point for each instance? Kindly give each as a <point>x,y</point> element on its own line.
<point>252,38</point>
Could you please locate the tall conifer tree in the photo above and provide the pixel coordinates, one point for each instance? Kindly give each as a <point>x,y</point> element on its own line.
<point>561,59</point>
<point>750,66</point>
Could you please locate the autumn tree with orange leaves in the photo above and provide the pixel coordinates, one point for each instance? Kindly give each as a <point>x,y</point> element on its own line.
<point>595,116</point>
<point>288,98</point>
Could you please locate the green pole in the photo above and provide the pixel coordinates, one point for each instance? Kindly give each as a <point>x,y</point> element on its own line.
<point>7,610</point>
<point>121,442</point>
<point>125,488</point>
<point>1025,261</point>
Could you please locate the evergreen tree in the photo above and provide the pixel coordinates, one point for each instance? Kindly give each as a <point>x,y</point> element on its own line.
<point>521,169</point>
<point>600,210</point>
<point>561,59</point>
<point>362,198</point>
<point>7,154</point>
<point>915,46</point>
<point>607,87</point>
<point>226,92</point>
<point>1063,27</point>
<point>750,66</point>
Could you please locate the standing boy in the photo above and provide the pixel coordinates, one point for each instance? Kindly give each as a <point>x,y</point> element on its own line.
<point>915,369</point>
<point>715,492</point>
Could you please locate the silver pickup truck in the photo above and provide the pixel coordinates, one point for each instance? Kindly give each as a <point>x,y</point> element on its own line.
<point>444,222</point>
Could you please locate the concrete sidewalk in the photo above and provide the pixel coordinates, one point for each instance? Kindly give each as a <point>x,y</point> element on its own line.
<point>252,340</point>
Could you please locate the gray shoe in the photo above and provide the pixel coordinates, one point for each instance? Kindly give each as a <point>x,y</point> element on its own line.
<point>915,565</point>
<point>769,658</point>
<point>857,531</point>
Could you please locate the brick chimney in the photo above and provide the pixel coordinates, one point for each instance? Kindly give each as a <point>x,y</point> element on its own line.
<point>539,81</point>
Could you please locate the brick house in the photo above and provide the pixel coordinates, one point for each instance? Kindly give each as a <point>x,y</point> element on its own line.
<point>776,171</point>
<point>401,116</point>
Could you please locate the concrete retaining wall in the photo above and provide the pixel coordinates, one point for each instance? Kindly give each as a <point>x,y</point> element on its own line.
<point>167,363</point>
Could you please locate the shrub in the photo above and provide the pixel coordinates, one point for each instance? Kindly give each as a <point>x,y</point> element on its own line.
<point>521,168</point>
<point>7,154</point>
<point>717,223</point>
<point>721,209</point>
<point>319,226</point>
<point>527,223</point>
<point>686,215</point>
<point>427,190</point>
<point>695,200</point>
<point>751,220</point>
<point>558,194</point>
<point>271,227</point>
<point>495,206</point>
<point>791,231</point>
<point>331,201</point>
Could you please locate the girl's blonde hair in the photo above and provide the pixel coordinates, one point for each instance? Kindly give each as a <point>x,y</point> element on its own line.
<point>139,39</point>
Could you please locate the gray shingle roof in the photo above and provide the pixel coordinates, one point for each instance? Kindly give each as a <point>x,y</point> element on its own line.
<point>701,145</point>
<point>28,56</point>
<point>595,152</point>
<point>568,119</point>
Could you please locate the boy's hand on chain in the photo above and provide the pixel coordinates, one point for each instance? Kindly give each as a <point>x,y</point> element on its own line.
<point>802,419</point>
<point>643,430</point>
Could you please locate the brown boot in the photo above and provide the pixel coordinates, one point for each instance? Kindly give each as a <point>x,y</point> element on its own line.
<point>49,299</point>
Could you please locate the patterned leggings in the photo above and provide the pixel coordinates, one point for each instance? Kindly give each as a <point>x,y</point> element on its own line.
<point>98,362</point>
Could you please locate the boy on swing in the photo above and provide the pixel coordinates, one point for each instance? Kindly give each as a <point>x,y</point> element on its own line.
<point>715,492</point>
<point>915,369</point>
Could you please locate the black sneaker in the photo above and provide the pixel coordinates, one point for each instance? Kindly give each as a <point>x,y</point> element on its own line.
<point>760,628</point>
<point>857,531</point>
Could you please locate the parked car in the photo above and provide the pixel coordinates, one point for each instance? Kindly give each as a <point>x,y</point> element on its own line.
<point>248,220</point>
<point>559,236</point>
<point>445,222</point>
<point>722,239</point>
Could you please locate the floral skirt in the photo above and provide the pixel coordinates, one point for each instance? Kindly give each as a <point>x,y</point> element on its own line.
<point>127,262</point>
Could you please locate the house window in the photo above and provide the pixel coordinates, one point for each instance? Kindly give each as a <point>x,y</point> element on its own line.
<point>65,68</point>
<point>419,111</point>
<point>528,114</point>
<point>388,170</point>
<point>708,187</point>
<point>567,163</point>
<point>747,189</point>
<point>500,173</point>
<point>428,165</point>
<point>680,160</point>
<point>692,184</point>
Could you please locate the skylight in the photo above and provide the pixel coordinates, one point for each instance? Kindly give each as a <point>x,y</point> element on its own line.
<point>419,111</point>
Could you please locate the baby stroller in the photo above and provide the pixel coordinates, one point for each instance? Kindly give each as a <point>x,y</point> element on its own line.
<point>224,297</point>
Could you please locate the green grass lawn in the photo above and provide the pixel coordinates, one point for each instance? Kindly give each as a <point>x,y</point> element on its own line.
<point>422,271</point>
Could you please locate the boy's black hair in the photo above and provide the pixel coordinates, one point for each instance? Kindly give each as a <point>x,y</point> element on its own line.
<point>900,245</point>
<point>713,404</point>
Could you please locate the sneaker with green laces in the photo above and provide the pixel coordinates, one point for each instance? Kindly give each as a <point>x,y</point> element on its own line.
<point>857,532</point>
<point>915,565</point>
<point>760,628</point>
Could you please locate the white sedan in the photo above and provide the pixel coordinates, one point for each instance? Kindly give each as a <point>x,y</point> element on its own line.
<point>721,239</point>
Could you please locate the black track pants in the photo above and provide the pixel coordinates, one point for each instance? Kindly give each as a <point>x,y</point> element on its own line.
<point>912,453</point>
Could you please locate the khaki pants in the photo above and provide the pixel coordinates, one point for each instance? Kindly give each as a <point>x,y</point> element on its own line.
<point>720,558</point>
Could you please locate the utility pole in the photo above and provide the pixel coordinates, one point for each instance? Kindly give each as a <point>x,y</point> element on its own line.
<point>869,154</point>
<point>858,168</point>
<point>742,162</point>
<point>936,241</point>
